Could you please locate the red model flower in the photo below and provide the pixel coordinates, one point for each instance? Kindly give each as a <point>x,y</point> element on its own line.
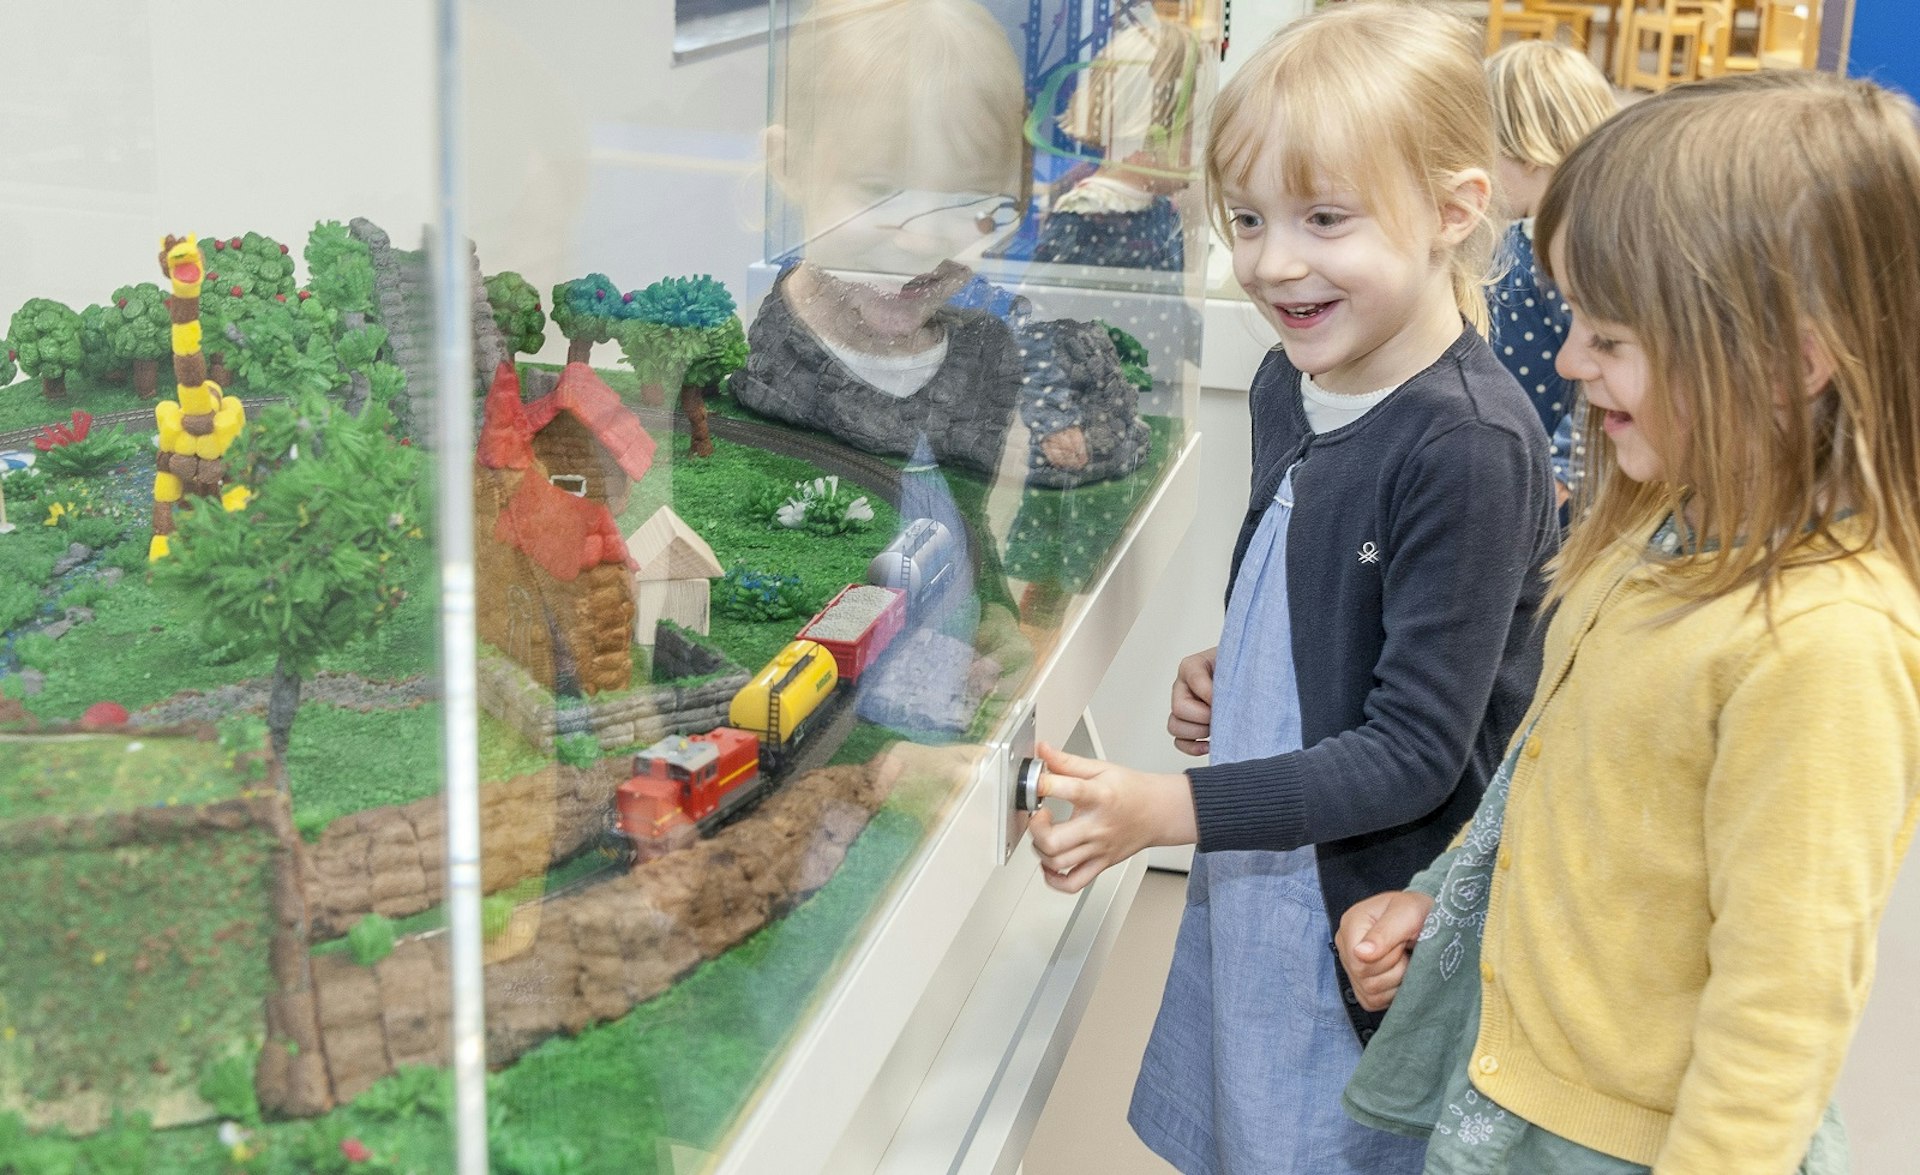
<point>53,435</point>
<point>355,1150</point>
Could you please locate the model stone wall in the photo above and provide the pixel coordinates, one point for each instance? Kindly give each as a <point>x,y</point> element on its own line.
<point>632,718</point>
<point>595,954</point>
<point>403,300</point>
<point>392,861</point>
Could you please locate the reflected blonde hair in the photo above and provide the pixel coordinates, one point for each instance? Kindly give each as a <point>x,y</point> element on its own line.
<point>927,79</point>
<point>1729,225</point>
<point>1546,98</point>
<point>1385,98</point>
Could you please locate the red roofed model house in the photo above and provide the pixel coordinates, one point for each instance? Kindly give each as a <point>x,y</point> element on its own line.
<point>591,445</point>
<point>553,577</point>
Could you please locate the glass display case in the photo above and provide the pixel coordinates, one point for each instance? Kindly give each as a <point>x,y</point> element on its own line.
<point>557,701</point>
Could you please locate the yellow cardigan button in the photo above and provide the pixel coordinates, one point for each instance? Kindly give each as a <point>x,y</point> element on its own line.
<point>1533,748</point>
<point>1488,1065</point>
<point>1504,860</point>
<point>1486,972</point>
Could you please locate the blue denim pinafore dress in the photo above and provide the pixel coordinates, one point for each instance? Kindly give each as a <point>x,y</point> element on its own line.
<point>1252,1046</point>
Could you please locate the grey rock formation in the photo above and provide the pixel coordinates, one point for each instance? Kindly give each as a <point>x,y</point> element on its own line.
<point>1071,378</point>
<point>928,683</point>
<point>964,411</point>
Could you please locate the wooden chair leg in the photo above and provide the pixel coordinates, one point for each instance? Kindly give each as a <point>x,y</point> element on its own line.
<point>1626,52</point>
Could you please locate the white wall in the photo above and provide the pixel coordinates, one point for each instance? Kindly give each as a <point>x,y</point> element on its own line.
<point>129,119</point>
<point>592,150</point>
<point>588,149</point>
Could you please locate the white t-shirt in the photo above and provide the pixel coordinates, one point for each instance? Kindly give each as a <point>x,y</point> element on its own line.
<point>898,376</point>
<point>1327,411</point>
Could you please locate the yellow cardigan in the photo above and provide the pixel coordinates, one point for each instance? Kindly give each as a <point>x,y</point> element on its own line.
<point>1700,838</point>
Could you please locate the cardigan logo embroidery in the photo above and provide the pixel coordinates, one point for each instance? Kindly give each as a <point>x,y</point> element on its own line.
<point>1369,553</point>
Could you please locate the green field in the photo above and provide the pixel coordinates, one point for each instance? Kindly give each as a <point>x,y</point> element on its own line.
<point>73,774</point>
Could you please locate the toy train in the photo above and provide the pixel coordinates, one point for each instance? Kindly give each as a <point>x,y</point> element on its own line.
<point>686,786</point>
<point>919,561</point>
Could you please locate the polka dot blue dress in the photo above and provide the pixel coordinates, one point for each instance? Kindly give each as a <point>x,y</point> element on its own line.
<point>1530,321</point>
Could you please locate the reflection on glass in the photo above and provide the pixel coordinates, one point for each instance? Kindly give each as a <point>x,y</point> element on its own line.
<point>1132,119</point>
<point>750,600</point>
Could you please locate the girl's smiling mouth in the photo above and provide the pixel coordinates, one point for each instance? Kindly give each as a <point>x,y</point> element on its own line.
<point>1303,314</point>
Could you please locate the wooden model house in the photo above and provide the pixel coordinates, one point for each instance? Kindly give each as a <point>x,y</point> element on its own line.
<point>673,580</point>
<point>591,445</point>
<point>553,582</point>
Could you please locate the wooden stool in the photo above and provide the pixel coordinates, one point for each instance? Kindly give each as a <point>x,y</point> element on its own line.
<point>1670,22</point>
<point>1525,21</point>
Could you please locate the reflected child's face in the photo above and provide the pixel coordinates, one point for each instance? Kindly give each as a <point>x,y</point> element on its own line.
<point>887,215</point>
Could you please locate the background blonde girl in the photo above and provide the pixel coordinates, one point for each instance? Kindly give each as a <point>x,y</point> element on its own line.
<point>1379,641</point>
<point>1683,866</point>
<point>1546,98</point>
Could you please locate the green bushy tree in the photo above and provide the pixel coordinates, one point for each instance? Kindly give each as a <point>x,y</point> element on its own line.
<point>97,360</point>
<point>45,339</point>
<point>340,272</point>
<point>313,563</point>
<point>284,348</point>
<point>517,312</point>
<point>258,265</point>
<point>141,334</point>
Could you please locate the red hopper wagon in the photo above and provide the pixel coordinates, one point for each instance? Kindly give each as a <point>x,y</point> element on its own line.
<point>857,625</point>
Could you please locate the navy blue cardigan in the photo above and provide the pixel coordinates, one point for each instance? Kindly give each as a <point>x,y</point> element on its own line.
<point>1414,569</point>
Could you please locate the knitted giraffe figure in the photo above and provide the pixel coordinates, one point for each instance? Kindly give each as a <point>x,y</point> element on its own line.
<point>197,426</point>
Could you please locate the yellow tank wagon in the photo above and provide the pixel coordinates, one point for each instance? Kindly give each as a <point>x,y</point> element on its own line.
<point>779,701</point>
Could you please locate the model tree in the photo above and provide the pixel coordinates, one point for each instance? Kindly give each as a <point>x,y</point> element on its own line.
<point>140,334</point>
<point>368,376</point>
<point>341,271</point>
<point>257,266</point>
<point>517,312</point>
<point>97,359</point>
<point>219,307</point>
<point>282,348</point>
<point>9,363</point>
<point>587,310</point>
<point>316,560</point>
<point>691,337</point>
<point>45,337</point>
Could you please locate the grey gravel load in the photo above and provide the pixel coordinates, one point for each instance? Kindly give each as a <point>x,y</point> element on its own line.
<point>851,616</point>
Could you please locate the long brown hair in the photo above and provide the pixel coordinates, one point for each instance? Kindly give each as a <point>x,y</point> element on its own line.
<point>1727,225</point>
<point>1385,97</point>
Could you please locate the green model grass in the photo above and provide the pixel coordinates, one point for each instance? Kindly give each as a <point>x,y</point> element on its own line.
<point>75,774</point>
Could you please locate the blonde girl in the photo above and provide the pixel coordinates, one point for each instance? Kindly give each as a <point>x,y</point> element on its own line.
<point>1655,939</point>
<point>1546,98</point>
<point>1379,642</point>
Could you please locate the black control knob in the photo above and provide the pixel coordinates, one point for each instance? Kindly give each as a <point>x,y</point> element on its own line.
<point>1026,785</point>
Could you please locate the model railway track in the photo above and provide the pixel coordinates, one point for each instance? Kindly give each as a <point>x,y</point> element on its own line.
<point>864,470</point>
<point>813,755</point>
<point>135,416</point>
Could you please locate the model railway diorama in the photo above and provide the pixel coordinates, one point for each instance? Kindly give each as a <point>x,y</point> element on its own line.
<point>698,627</point>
